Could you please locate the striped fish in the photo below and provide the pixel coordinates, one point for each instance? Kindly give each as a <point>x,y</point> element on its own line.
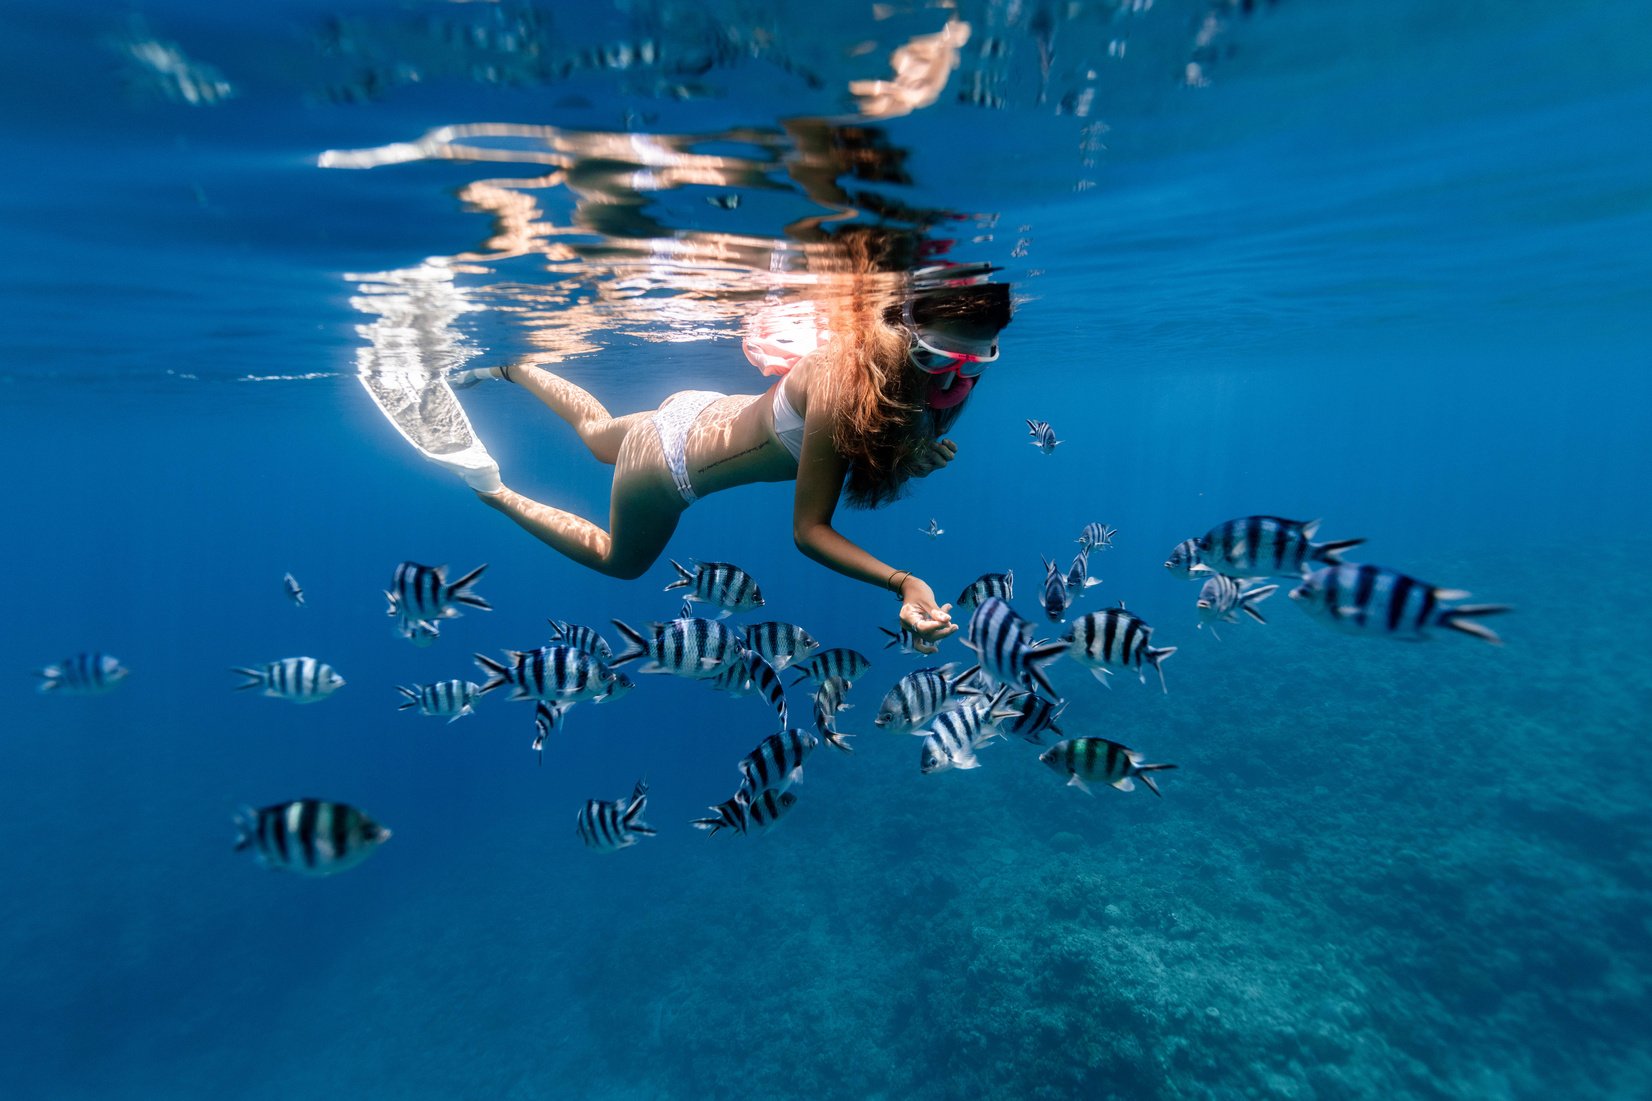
<point>920,696</point>
<point>999,638</point>
<point>1185,561</point>
<point>1000,585</point>
<point>87,674</point>
<point>609,826</point>
<point>1222,598</point>
<point>720,584</point>
<point>308,836</point>
<point>902,639</point>
<point>829,699</point>
<point>1096,536</point>
<point>761,676</point>
<point>1078,574</point>
<point>1029,715</point>
<point>580,637</point>
<point>1115,639</point>
<point>740,816</point>
<point>780,643</point>
<point>451,698</point>
<point>1256,546</point>
<point>1376,601</point>
<point>1043,436</point>
<point>560,674</point>
<point>687,647</point>
<point>1056,598</point>
<point>423,592</point>
<point>548,717</point>
<point>294,593</point>
<point>301,680</point>
<point>837,662</point>
<point>1097,759</point>
<point>952,741</point>
<point>934,530</point>
<point>777,762</point>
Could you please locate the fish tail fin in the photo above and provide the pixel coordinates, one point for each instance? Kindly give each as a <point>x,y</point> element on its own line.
<point>1331,553</point>
<point>635,645</point>
<point>685,578</point>
<point>894,637</point>
<point>246,828</point>
<point>498,674</point>
<point>1462,619</point>
<point>1143,773</point>
<point>1155,658</point>
<point>50,677</point>
<point>1250,599</point>
<point>412,695</point>
<point>1036,659</point>
<point>459,591</point>
<point>836,739</point>
<point>633,813</point>
<point>255,678</point>
<point>713,824</point>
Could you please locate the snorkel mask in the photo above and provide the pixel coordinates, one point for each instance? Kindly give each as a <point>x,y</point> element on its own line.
<point>951,364</point>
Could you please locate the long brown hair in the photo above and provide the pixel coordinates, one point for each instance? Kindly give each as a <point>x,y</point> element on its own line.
<point>882,423</point>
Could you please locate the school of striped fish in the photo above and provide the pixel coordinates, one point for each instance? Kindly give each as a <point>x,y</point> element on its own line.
<point>953,711</point>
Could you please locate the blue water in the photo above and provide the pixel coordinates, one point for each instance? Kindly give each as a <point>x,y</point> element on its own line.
<point>1385,263</point>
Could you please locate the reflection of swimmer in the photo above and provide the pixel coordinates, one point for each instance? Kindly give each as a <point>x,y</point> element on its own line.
<point>855,418</point>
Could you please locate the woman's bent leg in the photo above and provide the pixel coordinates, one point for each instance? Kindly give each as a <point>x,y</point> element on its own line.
<point>600,430</point>
<point>643,514</point>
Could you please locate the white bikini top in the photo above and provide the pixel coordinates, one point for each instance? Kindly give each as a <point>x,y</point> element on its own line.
<point>788,422</point>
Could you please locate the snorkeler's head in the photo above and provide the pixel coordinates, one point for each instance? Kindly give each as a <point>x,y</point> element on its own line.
<point>954,335</point>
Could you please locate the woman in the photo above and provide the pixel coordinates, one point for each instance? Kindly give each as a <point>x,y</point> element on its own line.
<point>854,418</point>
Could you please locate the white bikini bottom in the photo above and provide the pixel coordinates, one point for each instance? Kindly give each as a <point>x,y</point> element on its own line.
<point>672,422</point>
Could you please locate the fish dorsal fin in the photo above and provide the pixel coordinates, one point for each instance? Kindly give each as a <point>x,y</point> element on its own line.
<point>1309,529</point>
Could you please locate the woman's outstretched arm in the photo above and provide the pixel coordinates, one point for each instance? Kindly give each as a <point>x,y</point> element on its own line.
<point>820,474</point>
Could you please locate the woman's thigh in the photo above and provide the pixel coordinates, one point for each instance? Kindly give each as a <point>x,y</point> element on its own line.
<point>645,504</point>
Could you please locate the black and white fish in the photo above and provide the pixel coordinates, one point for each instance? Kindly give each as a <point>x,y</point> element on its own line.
<point>1101,761</point>
<point>687,647</point>
<point>609,826</point>
<point>761,676</point>
<point>837,662</point>
<point>1257,546</point>
<point>548,718</point>
<point>902,638</point>
<point>1371,600</point>
<point>720,584</point>
<point>829,699</point>
<point>1028,715</point>
<point>934,530</point>
<point>1221,598</point>
<point>450,699</point>
<point>1056,598</point>
<point>420,632</point>
<point>1114,638</point>
<point>308,836</point>
<point>777,762</point>
<point>1043,436</point>
<point>740,816</point>
<point>423,592</point>
<point>1096,536</point>
<point>921,695</point>
<point>952,741</point>
<point>580,637</point>
<point>1185,560</point>
<point>301,680</point>
<point>87,674</point>
<point>988,585</point>
<point>1078,574</point>
<point>780,643</point>
<point>294,593</point>
<point>560,674</point>
<point>999,638</point>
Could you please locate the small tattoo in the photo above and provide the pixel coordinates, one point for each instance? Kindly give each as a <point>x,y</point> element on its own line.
<point>731,458</point>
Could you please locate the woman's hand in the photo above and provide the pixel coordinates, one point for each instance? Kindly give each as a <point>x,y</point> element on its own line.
<point>937,455</point>
<point>927,622</point>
